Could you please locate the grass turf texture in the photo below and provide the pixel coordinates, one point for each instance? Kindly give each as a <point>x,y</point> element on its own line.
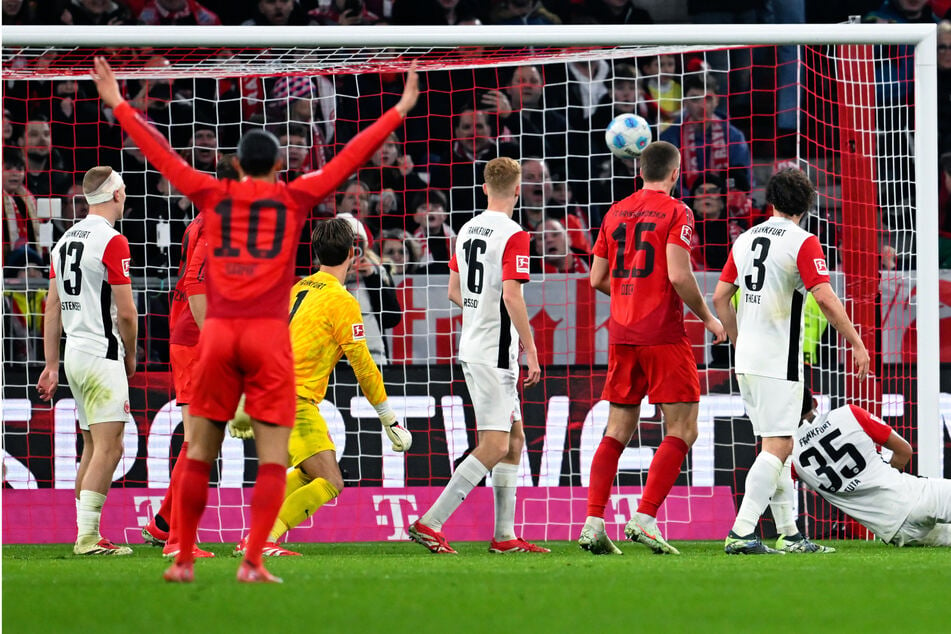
<point>400,587</point>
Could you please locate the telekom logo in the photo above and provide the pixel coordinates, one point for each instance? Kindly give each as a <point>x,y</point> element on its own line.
<point>390,513</point>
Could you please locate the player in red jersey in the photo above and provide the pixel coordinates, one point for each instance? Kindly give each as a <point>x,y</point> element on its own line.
<point>186,316</point>
<point>642,260</point>
<point>252,227</point>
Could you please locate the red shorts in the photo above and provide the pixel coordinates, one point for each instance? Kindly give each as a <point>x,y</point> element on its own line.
<point>183,359</point>
<point>667,373</point>
<point>250,356</point>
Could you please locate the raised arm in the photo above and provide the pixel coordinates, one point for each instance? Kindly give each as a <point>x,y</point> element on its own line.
<point>186,179</point>
<point>317,185</point>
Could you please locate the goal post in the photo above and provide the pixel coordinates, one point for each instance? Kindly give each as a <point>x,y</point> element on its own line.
<point>867,156</point>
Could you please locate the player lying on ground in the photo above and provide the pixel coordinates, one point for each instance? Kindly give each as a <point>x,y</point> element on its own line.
<point>773,265</point>
<point>90,297</point>
<point>487,271</point>
<point>835,455</point>
<point>326,323</point>
<point>252,236</point>
<point>642,260</point>
<point>186,316</point>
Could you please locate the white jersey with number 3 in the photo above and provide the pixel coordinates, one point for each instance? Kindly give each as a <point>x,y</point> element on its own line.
<point>774,264</point>
<point>86,262</point>
<point>490,249</point>
<point>835,455</point>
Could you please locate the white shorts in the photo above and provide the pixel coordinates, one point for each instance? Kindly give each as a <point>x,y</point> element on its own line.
<point>99,386</point>
<point>494,394</point>
<point>773,405</point>
<point>929,523</point>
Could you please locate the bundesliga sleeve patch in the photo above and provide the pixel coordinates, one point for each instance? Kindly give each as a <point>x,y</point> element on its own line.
<point>686,234</point>
<point>358,333</point>
<point>521,263</point>
<point>126,262</point>
<point>821,267</point>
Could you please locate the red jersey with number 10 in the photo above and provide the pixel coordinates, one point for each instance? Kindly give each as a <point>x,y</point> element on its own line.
<point>645,308</point>
<point>252,226</point>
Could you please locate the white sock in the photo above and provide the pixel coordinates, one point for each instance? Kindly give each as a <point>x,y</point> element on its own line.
<point>88,513</point>
<point>781,503</point>
<point>469,473</point>
<point>504,484</point>
<point>77,514</point>
<point>597,523</point>
<point>760,486</point>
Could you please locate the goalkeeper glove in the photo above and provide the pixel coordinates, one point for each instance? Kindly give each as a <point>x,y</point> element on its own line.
<point>240,426</point>
<point>399,436</point>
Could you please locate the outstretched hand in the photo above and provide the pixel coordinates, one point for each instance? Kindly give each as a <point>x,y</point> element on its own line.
<point>410,91</point>
<point>106,83</point>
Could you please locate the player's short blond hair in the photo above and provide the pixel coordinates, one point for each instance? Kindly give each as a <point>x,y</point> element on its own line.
<point>95,177</point>
<point>502,174</point>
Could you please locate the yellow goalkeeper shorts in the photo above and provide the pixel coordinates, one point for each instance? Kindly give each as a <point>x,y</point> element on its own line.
<point>310,434</point>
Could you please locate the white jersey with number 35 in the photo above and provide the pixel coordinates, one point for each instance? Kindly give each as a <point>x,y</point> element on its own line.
<point>86,262</point>
<point>490,249</point>
<point>774,264</point>
<point>835,455</point>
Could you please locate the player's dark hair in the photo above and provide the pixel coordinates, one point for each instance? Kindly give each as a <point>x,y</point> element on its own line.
<point>790,192</point>
<point>225,168</point>
<point>807,404</point>
<point>332,240</point>
<point>258,151</point>
<point>431,196</point>
<point>657,161</point>
<point>704,82</point>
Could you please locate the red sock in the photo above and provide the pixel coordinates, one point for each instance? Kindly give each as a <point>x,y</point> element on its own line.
<point>663,472</point>
<point>191,495</point>
<point>168,505</point>
<point>266,500</point>
<point>603,472</point>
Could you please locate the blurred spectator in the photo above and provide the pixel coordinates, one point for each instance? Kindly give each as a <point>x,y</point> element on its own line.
<point>20,12</point>
<point>277,13</point>
<point>398,251</point>
<point>587,85</point>
<point>295,139</point>
<point>48,170</point>
<point>177,13</point>
<point>343,13</point>
<point>944,87</point>
<point>436,12</point>
<point>392,181</point>
<point>551,242</point>
<point>614,180</point>
<point>539,131</point>
<point>21,226</point>
<point>75,119</point>
<point>901,12</point>
<point>75,206</point>
<point>531,12</point>
<point>173,117</point>
<point>353,198</point>
<point>10,135</point>
<point>374,289</point>
<point>95,12</point>
<point>436,239</point>
<point>713,231</point>
<point>617,12</point>
<point>475,143</point>
<point>708,143</point>
<point>660,83</point>
<point>24,305</point>
<point>625,97</point>
<point>537,205</point>
<point>203,148</point>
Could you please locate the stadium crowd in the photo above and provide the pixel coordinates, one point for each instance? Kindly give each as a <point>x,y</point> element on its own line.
<point>733,118</point>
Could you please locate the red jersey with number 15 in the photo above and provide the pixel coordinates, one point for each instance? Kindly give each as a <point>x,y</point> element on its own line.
<point>252,226</point>
<point>645,308</point>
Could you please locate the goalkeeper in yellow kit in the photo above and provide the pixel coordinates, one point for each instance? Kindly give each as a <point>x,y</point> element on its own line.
<point>325,324</point>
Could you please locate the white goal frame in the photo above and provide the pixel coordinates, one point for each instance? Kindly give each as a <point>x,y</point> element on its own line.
<point>923,37</point>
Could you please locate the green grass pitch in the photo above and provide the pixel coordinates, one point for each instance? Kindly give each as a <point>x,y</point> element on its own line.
<point>399,587</point>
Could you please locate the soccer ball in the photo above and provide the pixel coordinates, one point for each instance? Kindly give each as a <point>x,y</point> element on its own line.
<point>627,135</point>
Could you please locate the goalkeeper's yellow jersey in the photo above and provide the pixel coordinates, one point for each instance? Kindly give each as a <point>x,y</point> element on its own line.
<point>325,324</point>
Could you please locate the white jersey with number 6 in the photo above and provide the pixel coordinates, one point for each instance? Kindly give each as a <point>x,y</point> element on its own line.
<point>86,261</point>
<point>774,264</point>
<point>490,249</point>
<point>835,455</point>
